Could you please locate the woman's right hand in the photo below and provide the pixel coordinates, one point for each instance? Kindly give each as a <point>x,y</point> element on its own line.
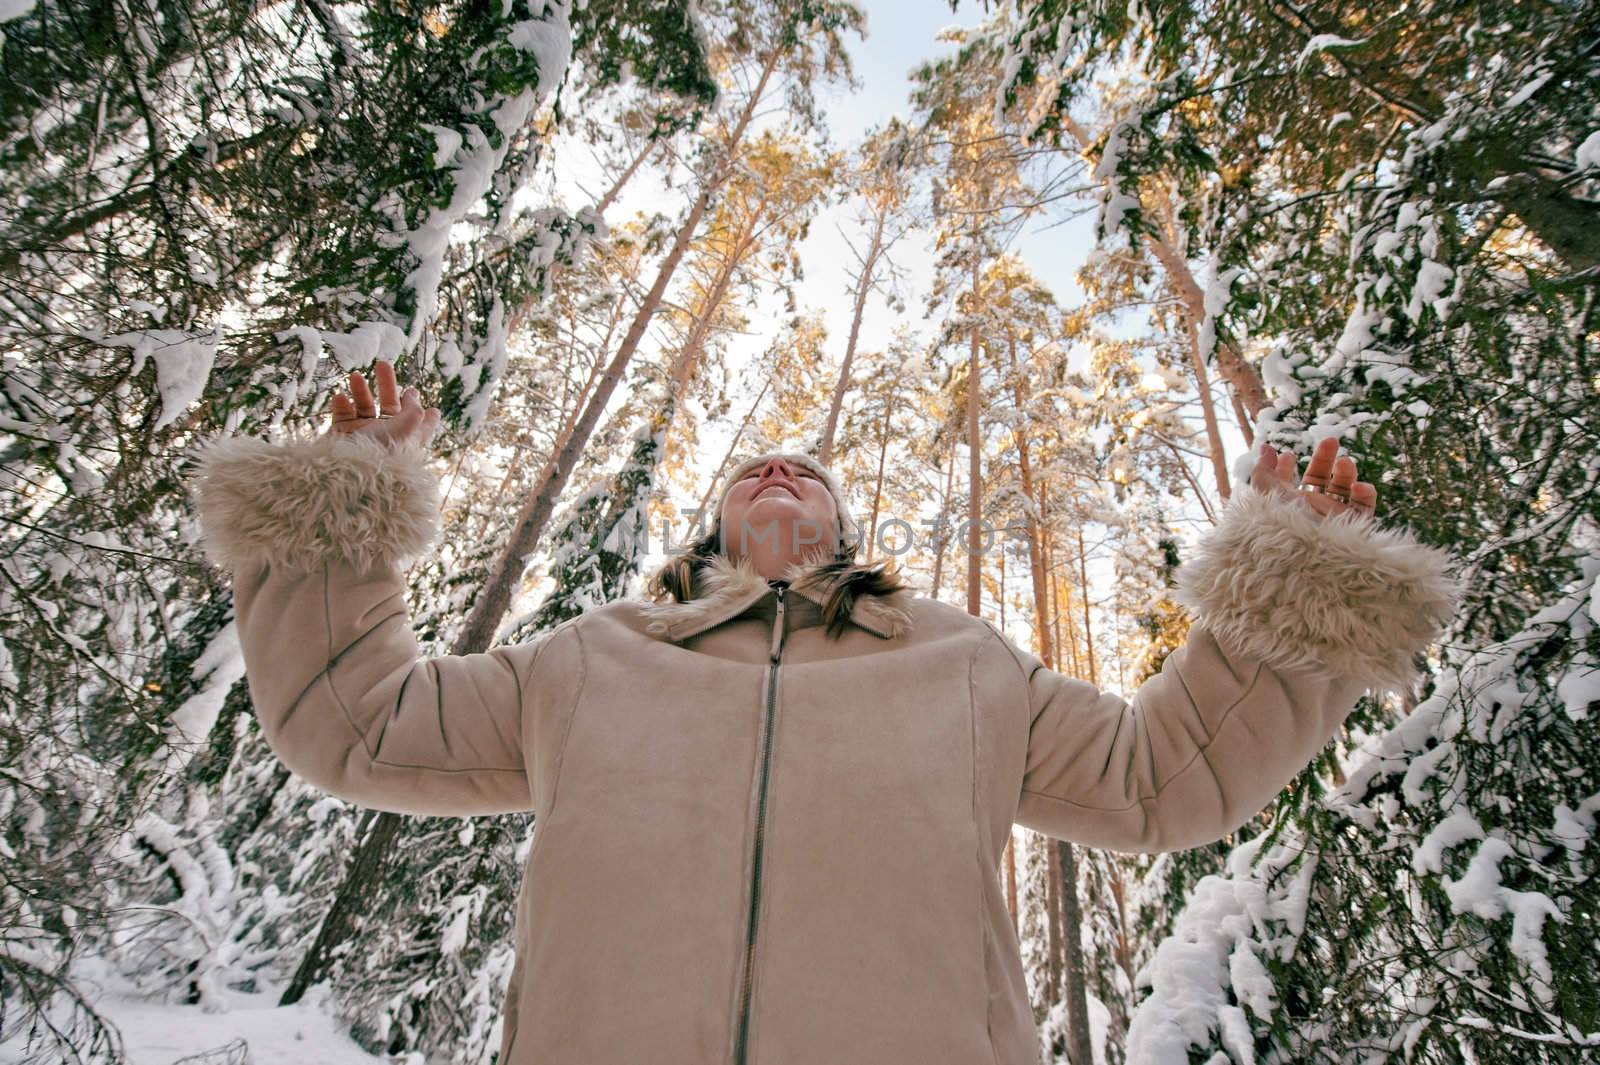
<point>393,418</point>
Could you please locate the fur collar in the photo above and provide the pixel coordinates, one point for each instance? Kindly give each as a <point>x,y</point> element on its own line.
<point>726,588</point>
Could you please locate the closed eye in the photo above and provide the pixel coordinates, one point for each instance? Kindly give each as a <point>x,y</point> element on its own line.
<point>800,473</point>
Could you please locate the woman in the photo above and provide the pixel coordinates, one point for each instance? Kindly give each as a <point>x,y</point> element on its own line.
<point>771,805</point>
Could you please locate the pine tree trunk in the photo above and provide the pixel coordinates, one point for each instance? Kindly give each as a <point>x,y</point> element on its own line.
<point>1208,412</point>
<point>1081,1046</point>
<point>1119,894</point>
<point>1041,597</point>
<point>877,485</point>
<point>688,359</point>
<point>1066,650</point>
<point>702,519</point>
<point>1088,628</point>
<point>627,175</point>
<point>942,541</point>
<point>1246,429</point>
<point>1011,879</point>
<point>1247,384</point>
<point>478,633</point>
<point>1000,591</point>
<point>361,881</point>
<point>1052,909</point>
<point>975,471</point>
<point>1065,611</point>
<point>842,385</point>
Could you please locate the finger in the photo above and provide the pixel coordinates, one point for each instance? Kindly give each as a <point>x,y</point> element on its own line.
<point>1344,475</point>
<point>1262,473</point>
<point>1364,497</point>
<point>411,398</point>
<point>408,418</point>
<point>365,407</point>
<point>1288,466</point>
<point>388,392</point>
<point>343,411</point>
<point>1319,471</point>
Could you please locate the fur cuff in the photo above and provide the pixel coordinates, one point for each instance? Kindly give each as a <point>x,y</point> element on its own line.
<point>1341,596</point>
<point>305,503</point>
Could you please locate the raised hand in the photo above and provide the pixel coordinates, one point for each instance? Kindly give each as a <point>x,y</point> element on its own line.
<point>1329,485</point>
<point>393,418</point>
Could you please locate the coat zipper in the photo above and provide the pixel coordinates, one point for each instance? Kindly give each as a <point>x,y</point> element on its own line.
<point>741,1050</point>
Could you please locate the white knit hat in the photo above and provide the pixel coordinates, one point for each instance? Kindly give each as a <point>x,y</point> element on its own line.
<point>849,531</point>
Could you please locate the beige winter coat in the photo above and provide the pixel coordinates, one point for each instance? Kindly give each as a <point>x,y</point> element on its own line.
<point>754,843</point>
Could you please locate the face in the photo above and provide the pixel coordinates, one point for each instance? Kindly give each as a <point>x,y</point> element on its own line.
<point>779,506</point>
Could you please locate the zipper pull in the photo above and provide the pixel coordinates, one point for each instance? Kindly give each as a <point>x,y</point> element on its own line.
<point>777,626</point>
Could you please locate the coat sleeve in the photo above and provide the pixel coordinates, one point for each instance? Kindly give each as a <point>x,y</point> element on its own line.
<point>1294,616</point>
<point>315,532</point>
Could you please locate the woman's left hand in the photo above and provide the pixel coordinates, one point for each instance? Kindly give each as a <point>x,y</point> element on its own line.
<point>1328,487</point>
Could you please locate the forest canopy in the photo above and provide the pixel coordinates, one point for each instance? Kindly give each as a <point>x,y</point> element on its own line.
<point>1060,274</point>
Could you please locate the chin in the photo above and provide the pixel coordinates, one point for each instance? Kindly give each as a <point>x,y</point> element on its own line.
<point>780,501</point>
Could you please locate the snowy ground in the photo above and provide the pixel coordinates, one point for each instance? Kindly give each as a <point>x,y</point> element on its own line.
<point>252,1030</point>
<point>159,1034</point>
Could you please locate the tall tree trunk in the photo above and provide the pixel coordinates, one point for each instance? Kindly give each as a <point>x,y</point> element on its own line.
<point>1246,428</point>
<point>863,287</point>
<point>1088,627</point>
<point>1054,962</point>
<point>1064,610</point>
<point>627,175</point>
<point>1247,384</point>
<point>683,366</point>
<point>702,520</point>
<point>1011,878</point>
<point>1208,412</point>
<point>975,469</point>
<point>1058,610</point>
<point>1119,894</point>
<point>1000,590</point>
<point>1041,596</point>
<point>1240,374</point>
<point>1077,994</point>
<point>877,485</point>
<point>490,606</point>
<point>942,541</point>
<point>362,879</point>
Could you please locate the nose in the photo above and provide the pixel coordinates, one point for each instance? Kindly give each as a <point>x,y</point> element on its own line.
<point>777,471</point>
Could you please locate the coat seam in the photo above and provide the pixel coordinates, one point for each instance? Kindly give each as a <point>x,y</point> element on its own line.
<point>541,819</point>
<point>1197,756</point>
<point>344,707</point>
<point>572,713</point>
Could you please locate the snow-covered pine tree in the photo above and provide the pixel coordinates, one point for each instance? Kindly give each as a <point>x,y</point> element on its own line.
<point>1440,906</point>
<point>1396,217</point>
<point>207,201</point>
